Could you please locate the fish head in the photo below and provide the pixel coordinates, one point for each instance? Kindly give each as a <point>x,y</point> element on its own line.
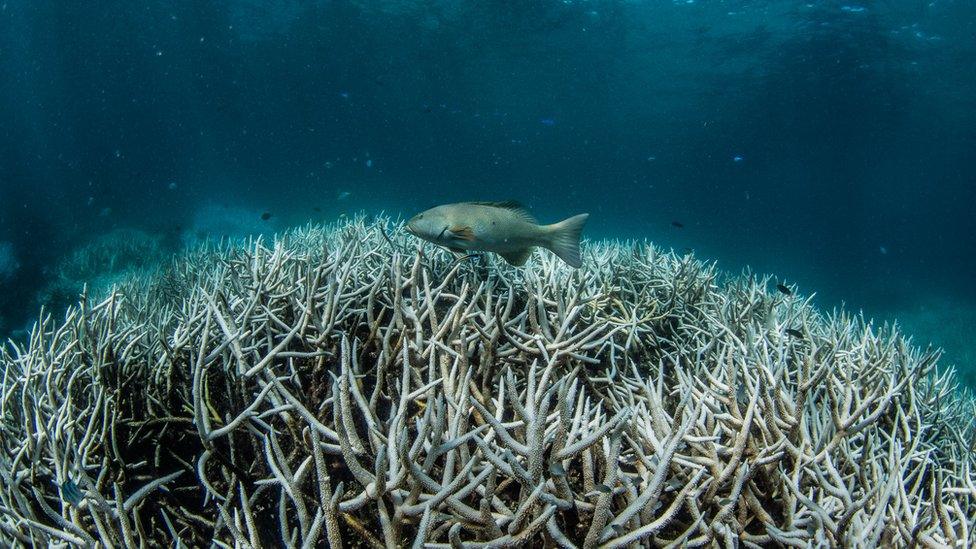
<point>433,226</point>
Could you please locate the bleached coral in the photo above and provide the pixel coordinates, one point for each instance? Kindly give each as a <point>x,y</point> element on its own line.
<point>333,387</point>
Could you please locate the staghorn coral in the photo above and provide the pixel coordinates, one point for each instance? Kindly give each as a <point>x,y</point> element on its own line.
<point>335,388</point>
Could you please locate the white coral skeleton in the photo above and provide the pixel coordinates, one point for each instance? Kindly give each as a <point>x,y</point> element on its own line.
<point>332,388</point>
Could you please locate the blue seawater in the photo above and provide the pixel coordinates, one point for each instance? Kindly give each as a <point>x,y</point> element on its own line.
<point>829,143</point>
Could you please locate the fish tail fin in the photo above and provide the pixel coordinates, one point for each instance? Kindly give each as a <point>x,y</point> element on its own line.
<point>564,239</point>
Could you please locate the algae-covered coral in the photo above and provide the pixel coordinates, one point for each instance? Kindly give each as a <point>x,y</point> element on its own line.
<point>333,387</point>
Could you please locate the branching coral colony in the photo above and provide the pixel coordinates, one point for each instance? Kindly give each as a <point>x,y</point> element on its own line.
<point>332,389</point>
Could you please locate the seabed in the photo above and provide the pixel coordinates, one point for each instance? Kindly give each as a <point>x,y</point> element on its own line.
<point>335,388</point>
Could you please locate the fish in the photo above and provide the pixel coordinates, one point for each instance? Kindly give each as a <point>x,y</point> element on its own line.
<point>794,333</point>
<point>71,493</point>
<point>265,216</point>
<point>783,289</point>
<point>505,228</point>
<point>740,393</point>
<point>342,195</point>
<point>678,224</point>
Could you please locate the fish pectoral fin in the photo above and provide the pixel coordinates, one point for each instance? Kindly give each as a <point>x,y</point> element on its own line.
<point>462,232</point>
<point>517,257</point>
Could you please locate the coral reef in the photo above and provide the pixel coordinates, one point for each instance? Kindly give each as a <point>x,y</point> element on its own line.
<point>9,265</point>
<point>101,263</point>
<point>8,261</point>
<point>945,321</point>
<point>335,387</point>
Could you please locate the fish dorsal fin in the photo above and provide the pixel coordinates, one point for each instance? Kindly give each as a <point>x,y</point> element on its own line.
<point>517,257</point>
<point>513,205</point>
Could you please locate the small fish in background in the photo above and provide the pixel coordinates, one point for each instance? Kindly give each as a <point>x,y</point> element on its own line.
<point>784,289</point>
<point>342,195</point>
<point>737,158</point>
<point>678,224</point>
<point>265,216</point>
<point>71,493</point>
<point>792,332</point>
<point>316,209</point>
<point>882,250</point>
<point>172,186</point>
<point>369,163</point>
<point>740,393</point>
<point>548,122</point>
<point>505,228</point>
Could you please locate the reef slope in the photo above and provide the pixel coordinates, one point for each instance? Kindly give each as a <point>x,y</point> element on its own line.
<point>335,387</point>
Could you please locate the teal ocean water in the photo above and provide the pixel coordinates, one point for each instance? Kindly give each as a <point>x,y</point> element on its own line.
<point>830,144</point>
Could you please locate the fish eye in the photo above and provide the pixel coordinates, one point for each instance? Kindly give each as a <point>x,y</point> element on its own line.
<point>420,216</point>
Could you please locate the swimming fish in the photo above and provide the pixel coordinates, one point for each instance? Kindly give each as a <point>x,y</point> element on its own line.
<point>678,224</point>
<point>740,393</point>
<point>504,228</point>
<point>71,493</point>
<point>784,289</point>
<point>265,216</point>
<point>793,332</point>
